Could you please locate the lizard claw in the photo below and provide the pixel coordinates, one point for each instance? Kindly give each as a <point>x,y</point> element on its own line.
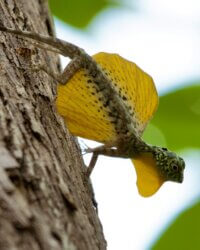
<point>84,148</point>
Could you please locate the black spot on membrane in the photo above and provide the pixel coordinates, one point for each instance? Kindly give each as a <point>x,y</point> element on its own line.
<point>89,81</point>
<point>124,98</point>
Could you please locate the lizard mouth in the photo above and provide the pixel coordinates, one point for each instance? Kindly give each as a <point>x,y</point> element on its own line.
<point>180,179</point>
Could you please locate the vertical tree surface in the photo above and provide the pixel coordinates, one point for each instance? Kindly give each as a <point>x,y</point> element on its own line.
<point>45,201</point>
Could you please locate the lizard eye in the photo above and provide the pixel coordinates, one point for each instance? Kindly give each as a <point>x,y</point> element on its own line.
<point>174,167</point>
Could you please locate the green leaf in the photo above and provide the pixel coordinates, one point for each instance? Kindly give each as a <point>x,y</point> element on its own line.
<point>183,233</point>
<point>178,119</point>
<point>79,12</point>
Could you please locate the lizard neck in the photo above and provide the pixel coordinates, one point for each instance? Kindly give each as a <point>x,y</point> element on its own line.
<point>142,147</point>
<point>133,145</point>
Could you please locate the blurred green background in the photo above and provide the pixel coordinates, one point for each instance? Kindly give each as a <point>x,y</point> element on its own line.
<point>177,118</point>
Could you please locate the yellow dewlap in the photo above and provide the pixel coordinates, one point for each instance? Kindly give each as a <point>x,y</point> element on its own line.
<point>148,178</point>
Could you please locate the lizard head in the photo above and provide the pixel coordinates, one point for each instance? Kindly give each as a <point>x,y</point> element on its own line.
<point>169,164</point>
<point>154,166</point>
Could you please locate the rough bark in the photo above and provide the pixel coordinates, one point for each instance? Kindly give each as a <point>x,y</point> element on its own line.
<point>45,202</point>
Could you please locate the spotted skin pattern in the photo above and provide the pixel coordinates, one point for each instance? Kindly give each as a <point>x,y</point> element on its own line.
<point>170,164</point>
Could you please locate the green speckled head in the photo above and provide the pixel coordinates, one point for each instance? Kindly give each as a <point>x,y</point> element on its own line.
<point>170,165</point>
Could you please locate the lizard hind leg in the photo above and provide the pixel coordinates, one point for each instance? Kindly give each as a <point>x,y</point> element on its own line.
<point>92,164</point>
<point>101,150</point>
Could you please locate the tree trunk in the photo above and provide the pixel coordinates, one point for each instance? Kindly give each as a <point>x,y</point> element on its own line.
<point>45,201</point>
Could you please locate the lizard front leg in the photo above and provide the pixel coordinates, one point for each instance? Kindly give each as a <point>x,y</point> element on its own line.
<point>107,150</point>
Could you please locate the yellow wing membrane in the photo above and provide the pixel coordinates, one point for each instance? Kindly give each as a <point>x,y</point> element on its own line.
<point>135,87</point>
<point>81,105</point>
